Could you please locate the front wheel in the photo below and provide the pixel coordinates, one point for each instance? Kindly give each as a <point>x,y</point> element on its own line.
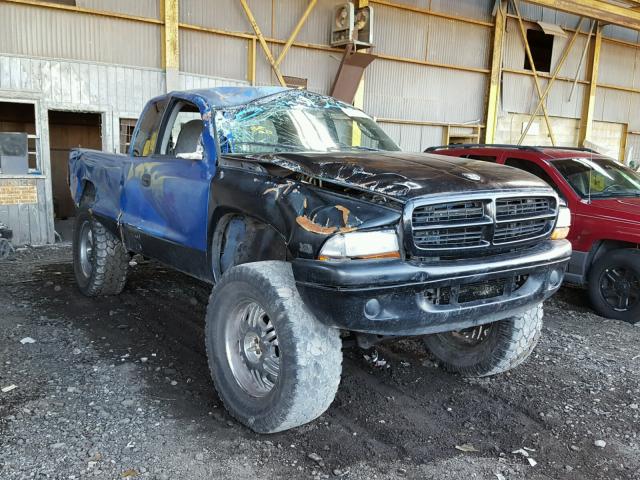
<point>614,285</point>
<point>274,365</point>
<point>488,349</point>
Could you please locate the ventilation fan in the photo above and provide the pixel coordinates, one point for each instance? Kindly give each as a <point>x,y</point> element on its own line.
<point>364,27</point>
<point>342,26</point>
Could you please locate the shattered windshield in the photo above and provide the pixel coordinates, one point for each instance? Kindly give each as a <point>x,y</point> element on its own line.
<point>599,177</point>
<point>298,121</point>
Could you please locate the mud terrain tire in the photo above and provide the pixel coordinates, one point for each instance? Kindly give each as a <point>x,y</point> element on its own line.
<point>506,345</point>
<point>100,261</point>
<point>252,299</point>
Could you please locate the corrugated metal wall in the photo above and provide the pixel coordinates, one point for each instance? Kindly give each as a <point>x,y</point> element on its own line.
<point>39,32</point>
<point>619,67</point>
<point>425,93</point>
<point>140,8</point>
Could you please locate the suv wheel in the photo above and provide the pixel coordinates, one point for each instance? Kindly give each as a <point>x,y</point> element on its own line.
<point>274,365</point>
<point>488,349</point>
<point>100,261</point>
<point>614,285</point>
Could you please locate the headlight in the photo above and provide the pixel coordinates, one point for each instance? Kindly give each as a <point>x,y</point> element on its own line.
<point>361,245</point>
<point>562,225</point>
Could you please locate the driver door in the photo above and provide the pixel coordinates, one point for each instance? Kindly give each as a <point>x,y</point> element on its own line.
<point>166,194</point>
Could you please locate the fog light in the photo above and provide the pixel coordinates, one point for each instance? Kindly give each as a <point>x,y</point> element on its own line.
<point>372,308</point>
<point>555,278</point>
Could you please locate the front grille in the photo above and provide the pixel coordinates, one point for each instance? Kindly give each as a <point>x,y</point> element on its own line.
<point>485,224</point>
<point>450,238</point>
<point>447,213</point>
<point>514,231</point>
<point>523,207</point>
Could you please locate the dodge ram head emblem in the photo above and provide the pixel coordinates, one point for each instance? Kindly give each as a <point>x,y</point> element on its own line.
<point>472,176</point>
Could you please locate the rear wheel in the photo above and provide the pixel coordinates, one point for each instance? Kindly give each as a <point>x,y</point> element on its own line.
<point>488,349</point>
<point>274,365</point>
<point>100,261</point>
<point>614,285</point>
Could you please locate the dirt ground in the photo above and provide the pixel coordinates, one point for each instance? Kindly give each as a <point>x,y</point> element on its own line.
<point>118,387</point>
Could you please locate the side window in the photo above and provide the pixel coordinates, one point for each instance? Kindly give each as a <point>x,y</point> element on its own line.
<point>532,168</point>
<point>484,158</point>
<point>147,136</point>
<point>182,137</point>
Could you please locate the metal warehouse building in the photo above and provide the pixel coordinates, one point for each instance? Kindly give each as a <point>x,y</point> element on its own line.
<point>78,72</point>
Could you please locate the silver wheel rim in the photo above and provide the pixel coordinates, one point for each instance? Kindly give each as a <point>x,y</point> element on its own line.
<point>252,349</point>
<point>86,249</point>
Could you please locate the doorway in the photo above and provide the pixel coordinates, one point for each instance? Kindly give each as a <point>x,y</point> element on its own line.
<point>69,130</point>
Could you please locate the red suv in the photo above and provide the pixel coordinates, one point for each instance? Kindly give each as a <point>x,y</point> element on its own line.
<point>604,198</point>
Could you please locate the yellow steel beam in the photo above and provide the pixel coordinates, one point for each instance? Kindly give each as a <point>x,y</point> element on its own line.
<point>493,97</point>
<point>170,48</point>
<point>527,48</point>
<point>263,43</point>
<point>596,9</point>
<point>251,61</point>
<point>295,32</point>
<point>547,89</point>
<point>588,107</point>
<point>358,102</point>
<point>83,10</point>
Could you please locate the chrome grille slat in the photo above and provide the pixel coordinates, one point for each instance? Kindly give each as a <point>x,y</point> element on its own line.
<point>482,223</point>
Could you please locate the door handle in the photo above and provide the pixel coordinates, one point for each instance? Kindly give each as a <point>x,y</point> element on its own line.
<point>146,180</point>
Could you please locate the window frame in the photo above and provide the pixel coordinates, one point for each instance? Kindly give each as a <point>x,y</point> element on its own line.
<point>169,118</point>
<point>158,127</point>
<point>551,182</point>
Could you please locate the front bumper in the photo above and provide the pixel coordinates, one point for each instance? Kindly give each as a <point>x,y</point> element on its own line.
<point>396,297</point>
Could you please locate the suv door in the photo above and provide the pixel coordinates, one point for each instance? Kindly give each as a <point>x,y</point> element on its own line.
<point>166,196</point>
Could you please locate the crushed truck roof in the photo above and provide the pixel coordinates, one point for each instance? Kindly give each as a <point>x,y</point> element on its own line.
<point>221,97</point>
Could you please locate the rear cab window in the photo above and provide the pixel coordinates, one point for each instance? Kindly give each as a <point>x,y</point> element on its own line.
<point>146,138</point>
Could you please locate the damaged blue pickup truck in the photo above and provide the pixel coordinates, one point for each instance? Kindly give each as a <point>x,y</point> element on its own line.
<point>313,226</point>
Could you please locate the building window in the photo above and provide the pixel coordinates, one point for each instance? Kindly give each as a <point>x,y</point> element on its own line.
<point>20,118</point>
<point>541,45</point>
<point>127,126</point>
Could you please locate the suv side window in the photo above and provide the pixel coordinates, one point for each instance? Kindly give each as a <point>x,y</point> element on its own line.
<point>147,136</point>
<point>182,135</point>
<point>533,168</point>
<point>484,158</point>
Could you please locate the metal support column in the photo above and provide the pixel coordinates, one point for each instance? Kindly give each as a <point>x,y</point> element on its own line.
<point>586,120</point>
<point>170,46</point>
<point>493,97</point>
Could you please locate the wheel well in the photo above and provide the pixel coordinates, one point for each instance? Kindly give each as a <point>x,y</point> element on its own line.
<point>604,246</point>
<point>239,238</point>
<point>88,194</point>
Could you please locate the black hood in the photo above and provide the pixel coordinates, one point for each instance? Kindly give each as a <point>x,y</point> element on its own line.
<point>403,175</point>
